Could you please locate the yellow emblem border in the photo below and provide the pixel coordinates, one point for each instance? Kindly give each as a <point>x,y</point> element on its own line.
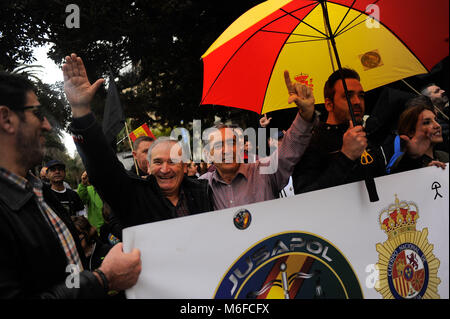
<point>385,250</point>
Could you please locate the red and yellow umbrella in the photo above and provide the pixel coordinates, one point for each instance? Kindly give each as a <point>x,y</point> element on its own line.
<point>384,41</point>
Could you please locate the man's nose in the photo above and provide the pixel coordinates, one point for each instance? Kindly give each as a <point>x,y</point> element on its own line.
<point>164,167</point>
<point>355,100</point>
<point>46,126</point>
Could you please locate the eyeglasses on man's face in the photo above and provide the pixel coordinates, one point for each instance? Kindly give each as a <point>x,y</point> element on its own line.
<point>35,109</point>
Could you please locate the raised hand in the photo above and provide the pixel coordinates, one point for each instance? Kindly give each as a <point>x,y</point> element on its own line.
<point>79,90</point>
<point>417,145</point>
<point>85,179</point>
<point>302,96</point>
<point>264,121</point>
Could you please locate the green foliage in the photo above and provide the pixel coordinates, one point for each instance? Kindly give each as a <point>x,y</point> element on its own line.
<point>74,169</point>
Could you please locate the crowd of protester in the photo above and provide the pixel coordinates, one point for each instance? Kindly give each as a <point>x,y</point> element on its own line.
<point>44,219</point>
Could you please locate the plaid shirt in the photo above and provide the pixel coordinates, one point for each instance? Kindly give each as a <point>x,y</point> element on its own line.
<point>66,240</point>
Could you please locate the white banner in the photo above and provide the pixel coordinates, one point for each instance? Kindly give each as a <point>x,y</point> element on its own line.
<point>323,244</point>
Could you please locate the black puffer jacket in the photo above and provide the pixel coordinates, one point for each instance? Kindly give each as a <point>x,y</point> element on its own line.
<point>133,199</point>
<point>32,261</point>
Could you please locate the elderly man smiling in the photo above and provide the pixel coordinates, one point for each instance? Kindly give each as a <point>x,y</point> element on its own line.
<point>164,194</point>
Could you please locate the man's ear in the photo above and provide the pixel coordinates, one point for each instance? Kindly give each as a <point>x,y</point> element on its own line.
<point>6,123</point>
<point>329,105</point>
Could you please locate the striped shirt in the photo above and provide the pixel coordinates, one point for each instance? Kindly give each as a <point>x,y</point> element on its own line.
<point>33,184</point>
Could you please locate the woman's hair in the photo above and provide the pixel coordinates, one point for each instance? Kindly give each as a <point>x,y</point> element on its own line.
<point>84,227</point>
<point>408,119</point>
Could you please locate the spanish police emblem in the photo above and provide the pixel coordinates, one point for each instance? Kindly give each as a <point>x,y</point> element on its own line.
<point>407,267</point>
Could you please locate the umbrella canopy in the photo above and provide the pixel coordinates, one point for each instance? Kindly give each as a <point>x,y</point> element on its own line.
<point>384,41</point>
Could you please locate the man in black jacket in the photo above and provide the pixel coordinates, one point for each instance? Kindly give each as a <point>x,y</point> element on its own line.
<point>162,195</point>
<point>334,155</point>
<point>40,252</point>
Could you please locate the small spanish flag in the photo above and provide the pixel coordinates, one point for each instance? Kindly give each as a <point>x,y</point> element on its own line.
<point>142,130</point>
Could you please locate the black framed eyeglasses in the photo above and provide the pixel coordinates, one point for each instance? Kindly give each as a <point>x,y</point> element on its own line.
<point>35,109</point>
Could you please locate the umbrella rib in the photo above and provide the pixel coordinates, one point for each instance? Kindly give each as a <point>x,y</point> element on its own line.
<point>344,28</point>
<point>296,34</point>
<point>354,26</point>
<point>259,30</point>
<point>303,21</point>
<point>293,42</point>
<point>273,66</point>
<point>381,23</point>
<point>345,16</point>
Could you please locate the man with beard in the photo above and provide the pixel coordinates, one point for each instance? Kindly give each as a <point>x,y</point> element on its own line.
<point>334,155</point>
<point>440,101</point>
<point>40,252</point>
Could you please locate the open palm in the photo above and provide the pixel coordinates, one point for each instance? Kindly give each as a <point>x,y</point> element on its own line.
<point>79,90</point>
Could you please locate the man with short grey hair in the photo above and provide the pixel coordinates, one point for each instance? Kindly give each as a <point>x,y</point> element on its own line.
<point>164,194</point>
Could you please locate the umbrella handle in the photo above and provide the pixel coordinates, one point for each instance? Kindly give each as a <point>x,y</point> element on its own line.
<point>366,158</point>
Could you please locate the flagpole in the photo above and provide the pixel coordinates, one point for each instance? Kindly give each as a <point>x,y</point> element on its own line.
<point>124,138</point>
<point>132,150</point>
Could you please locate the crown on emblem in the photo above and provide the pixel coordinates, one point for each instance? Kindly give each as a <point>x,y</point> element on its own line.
<point>303,79</point>
<point>400,217</point>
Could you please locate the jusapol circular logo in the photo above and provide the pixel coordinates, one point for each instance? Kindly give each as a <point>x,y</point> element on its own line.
<point>291,265</point>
